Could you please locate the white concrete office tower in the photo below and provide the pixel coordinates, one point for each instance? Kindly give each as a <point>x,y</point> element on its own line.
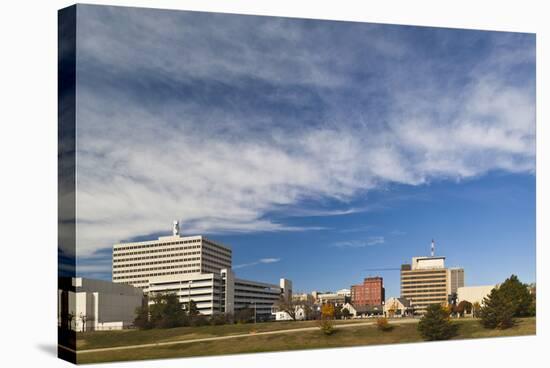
<point>205,289</point>
<point>97,304</point>
<point>426,281</point>
<point>136,263</point>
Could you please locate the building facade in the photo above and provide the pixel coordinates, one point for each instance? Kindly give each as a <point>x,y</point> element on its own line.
<point>194,268</point>
<point>305,298</point>
<point>260,296</point>
<point>370,292</point>
<point>299,314</point>
<point>397,307</point>
<point>474,294</point>
<point>332,298</point>
<point>137,263</point>
<point>220,292</point>
<point>426,281</point>
<point>456,279</point>
<point>364,311</point>
<point>96,304</point>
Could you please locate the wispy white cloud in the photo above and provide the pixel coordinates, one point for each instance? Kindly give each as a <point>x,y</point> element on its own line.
<point>260,261</point>
<point>269,260</point>
<point>361,243</point>
<point>191,117</point>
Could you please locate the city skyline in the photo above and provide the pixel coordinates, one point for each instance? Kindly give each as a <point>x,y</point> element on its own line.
<point>310,165</point>
<point>269,262</point>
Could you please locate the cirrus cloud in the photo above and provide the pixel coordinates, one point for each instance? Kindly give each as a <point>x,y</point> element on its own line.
<point>191,116</point>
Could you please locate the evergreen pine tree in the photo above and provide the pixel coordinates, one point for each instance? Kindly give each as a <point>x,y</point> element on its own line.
<point>510,299</point>
<point>436,324</point>
<point>498,310</point>
<point>519,295</point>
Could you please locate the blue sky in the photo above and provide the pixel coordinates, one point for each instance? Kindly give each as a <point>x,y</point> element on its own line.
<point>315,149</point>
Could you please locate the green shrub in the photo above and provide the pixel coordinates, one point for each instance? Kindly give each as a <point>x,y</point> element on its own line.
<point>218,319</point>
<point>436,324</point>
<point>199,320</point>
<point>326,326</point>
<point>383,324</point>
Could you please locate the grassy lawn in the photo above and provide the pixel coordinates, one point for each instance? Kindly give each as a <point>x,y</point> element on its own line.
<point>101,339</point>
<point>354,336</point>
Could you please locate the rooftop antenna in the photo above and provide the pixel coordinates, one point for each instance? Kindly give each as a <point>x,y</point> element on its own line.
<point>433,247</point>
<point>176,228</point>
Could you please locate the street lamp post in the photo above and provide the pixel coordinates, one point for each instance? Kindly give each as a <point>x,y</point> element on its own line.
<point>189,297</point>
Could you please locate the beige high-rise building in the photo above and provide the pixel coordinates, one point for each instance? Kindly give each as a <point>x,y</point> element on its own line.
<point>456,279</point>
<point>426,281</point>
<point>135,263</point>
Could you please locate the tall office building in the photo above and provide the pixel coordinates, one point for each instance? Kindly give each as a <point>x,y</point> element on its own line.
<point>456,279</point>
<point>136,263</point>
<point>194,268</point>
<point>370,292</point>
<point>426,281</point>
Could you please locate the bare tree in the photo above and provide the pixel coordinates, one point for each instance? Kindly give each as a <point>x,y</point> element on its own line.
<point>84,320</point>
<point>70,317</point>
<point>287,305</point>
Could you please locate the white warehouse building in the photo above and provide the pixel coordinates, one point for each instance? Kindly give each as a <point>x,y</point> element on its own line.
<point>96,304</point>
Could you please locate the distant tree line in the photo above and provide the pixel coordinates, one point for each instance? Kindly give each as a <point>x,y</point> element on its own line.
<point>166,311</point>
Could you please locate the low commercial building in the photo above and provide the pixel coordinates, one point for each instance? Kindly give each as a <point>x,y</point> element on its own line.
<point>398,307</point>
<point>344,292</point>
<point>88,305</point>
<point>299,314</point>
<point>364,311</point>
<point>260,296</point>
<point>332,298</point>
<point>303,298</point>
<point>339,297</point>
<point>474,294</point>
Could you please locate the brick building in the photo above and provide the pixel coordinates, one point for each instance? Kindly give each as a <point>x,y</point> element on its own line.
<point>370,292</point>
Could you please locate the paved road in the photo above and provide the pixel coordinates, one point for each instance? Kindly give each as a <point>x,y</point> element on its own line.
<point>293,330</point>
